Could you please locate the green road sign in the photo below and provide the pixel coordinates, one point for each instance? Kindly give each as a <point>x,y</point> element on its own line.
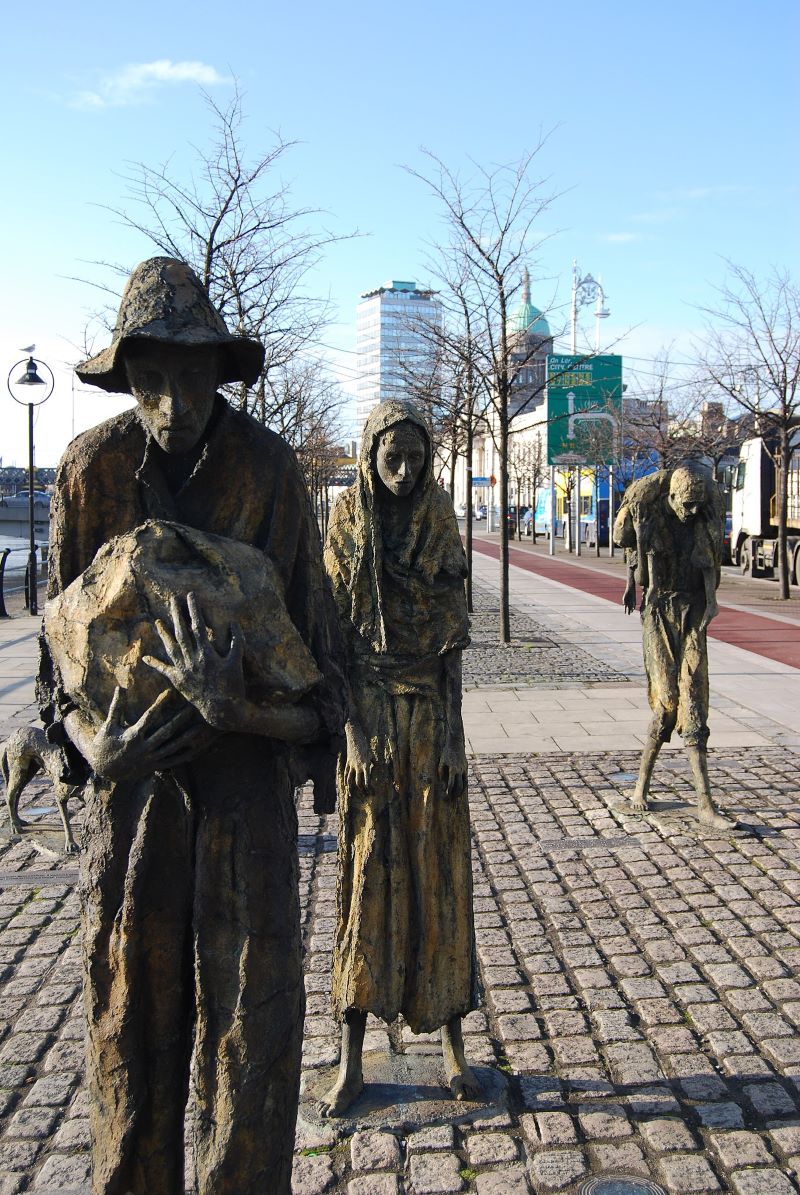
<point>584,400</point>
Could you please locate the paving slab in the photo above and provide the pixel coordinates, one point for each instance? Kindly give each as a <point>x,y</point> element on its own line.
<point>571,891</point>
<point>642,995</point>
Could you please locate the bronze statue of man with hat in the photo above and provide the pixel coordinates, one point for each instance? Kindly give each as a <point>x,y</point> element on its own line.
<point>177,526</point>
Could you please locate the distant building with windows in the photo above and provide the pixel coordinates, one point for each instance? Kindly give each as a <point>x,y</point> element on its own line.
<point>393,343</point>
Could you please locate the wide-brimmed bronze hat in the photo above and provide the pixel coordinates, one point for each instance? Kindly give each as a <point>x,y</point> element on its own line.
<point>164,300</point>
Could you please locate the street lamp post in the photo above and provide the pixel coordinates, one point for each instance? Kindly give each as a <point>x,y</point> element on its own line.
<point>587,290</point>
<point>31,378</point>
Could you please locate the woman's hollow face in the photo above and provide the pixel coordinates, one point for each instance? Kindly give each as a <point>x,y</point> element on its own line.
<point>400,458</point>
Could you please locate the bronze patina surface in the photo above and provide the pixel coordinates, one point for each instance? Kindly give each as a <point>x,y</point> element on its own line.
<point>671,526</point>
<point>191,933</point>
<point>404,941</point>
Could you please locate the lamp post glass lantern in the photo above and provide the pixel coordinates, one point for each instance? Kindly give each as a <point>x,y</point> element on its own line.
<point>31,381</point>
<point>587,290</point>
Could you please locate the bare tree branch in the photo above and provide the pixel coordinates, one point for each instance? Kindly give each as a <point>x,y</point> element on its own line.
<point>751,359</point>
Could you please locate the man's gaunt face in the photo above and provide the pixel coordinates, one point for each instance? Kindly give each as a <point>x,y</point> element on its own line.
<point>174,386</point>
<point>400,459</point>
<point>687,494</point>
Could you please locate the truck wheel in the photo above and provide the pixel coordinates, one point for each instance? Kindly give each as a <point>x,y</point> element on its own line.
<point>744,559</point>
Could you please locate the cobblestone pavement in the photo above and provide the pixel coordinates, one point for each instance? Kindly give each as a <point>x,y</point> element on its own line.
<point>642,995</point>
<point>536,656</point>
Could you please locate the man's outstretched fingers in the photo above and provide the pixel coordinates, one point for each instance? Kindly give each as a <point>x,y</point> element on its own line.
<point>198,622</point>
<point>168,641</point>
<point>181,630</point>
<point>116,711</point>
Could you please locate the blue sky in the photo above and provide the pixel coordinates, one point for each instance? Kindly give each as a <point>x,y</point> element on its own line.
<point>673,145</point>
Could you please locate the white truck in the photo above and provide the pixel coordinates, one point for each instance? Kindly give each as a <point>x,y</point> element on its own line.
<point>754,524</point>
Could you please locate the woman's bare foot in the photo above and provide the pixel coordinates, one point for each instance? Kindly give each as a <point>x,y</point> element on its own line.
<point>344,1092</point>
<point>637,802</point>
<point>464,1085</point>
<point>462,1079</point>
<point>709,815</point>
<point>350,1081</point>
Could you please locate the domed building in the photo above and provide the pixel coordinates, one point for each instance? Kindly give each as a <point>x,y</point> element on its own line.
<point>532,340</point>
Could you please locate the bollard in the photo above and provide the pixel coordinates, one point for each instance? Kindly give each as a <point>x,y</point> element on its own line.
<point>3,612</point>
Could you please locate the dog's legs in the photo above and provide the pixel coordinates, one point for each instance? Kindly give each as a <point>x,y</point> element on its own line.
<point>18,777</point>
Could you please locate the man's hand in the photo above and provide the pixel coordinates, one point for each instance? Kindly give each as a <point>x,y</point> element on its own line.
<point>711,611</point>
<point>152,744</point>
<point>453,767</point>
<point>211,681</point>
<point>629,598</point>
<point>359,760</point>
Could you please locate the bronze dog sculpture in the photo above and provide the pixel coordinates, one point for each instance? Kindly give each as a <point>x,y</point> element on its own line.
<point>25,754</point>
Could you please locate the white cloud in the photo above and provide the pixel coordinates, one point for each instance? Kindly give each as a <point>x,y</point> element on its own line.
<point>695,194</point>
<point>136,82</point>
<point>620,238</point>
<point>660,216</point>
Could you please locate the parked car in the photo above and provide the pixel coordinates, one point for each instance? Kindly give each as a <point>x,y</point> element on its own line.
<point>511,518</point>
<point>480,511</point>
<point>40,498</point>
<point>461,511</point>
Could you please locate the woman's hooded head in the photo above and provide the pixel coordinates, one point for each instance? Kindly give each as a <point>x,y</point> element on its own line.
<point>427,558</point>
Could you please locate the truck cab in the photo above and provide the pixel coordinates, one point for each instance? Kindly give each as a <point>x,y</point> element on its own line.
<point>753,484</point>
<point>754,524</point>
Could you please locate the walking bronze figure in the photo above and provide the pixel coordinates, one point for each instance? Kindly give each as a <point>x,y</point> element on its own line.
<point>671,526</point>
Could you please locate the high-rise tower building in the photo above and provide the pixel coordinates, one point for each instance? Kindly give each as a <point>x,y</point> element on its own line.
<point>394,343</point>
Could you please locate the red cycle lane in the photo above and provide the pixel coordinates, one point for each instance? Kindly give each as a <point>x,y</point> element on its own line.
<point>765,636</point>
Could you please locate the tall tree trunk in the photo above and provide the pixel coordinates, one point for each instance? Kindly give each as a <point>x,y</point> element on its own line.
<point>505,612</point>
<point>468,528</point>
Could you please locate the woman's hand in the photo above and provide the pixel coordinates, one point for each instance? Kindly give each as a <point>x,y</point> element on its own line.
<point>629,598</point>
<point>210,680</point>
<point>359,760</point>
<point>154,743</point>
<point>453,767</point>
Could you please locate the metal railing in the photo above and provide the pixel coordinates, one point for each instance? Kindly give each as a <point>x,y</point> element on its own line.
<point>15,575</point>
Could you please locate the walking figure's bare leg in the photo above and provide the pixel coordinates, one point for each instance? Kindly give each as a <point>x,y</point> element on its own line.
<point>638,798</point>
<point>707,812</point>
<point>350,1080</point>
<point>462,1079</point>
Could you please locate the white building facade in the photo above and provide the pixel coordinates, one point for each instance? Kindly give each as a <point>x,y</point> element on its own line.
<point>395,342</point>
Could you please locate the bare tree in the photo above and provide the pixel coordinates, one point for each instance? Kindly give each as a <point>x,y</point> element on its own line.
<point>751,357</point>
<point>306,405</point>
<point>232,220</point>
<point>446,379</point>
<point>491,222</point>
<point>526,468</point>
<point>658,414</point>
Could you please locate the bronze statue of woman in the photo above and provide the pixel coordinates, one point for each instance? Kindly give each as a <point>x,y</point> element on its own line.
<point>405,937</point>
